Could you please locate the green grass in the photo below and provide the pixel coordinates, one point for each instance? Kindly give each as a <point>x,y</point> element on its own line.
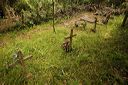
<point>97,58</point>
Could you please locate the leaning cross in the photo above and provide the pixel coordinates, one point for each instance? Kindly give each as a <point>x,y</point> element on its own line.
<point>19,59</point>
<point>70,38</point>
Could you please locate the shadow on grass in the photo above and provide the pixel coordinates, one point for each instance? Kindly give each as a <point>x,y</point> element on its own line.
<point>106,61</point>
<point>115,60</point>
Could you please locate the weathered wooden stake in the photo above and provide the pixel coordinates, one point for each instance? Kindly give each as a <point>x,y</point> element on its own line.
<point>22,17</point>
<point>71,36</point>
<point>53,16</point>
<point>125,18</point>
<point>95,24</point>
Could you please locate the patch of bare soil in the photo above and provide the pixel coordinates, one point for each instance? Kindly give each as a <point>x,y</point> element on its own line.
<point>85,15</point>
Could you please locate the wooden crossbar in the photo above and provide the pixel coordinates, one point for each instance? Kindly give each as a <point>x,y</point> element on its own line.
<point>70,36</point>
<point>17,61</point>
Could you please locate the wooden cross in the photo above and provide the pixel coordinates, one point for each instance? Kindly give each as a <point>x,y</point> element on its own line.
<point>19,59</point>
<point>70,38</point>
<point>53,14</point>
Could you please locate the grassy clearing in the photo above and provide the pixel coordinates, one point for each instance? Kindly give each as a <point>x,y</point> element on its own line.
<point>98,58</point>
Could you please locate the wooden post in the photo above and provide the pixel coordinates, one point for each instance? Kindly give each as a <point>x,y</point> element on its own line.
<point>71,35</point>
<point>71,5</point>
<point>22,17</point>
<point>95,23</point>
<point>125,18</point>
<point>53,16</point>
